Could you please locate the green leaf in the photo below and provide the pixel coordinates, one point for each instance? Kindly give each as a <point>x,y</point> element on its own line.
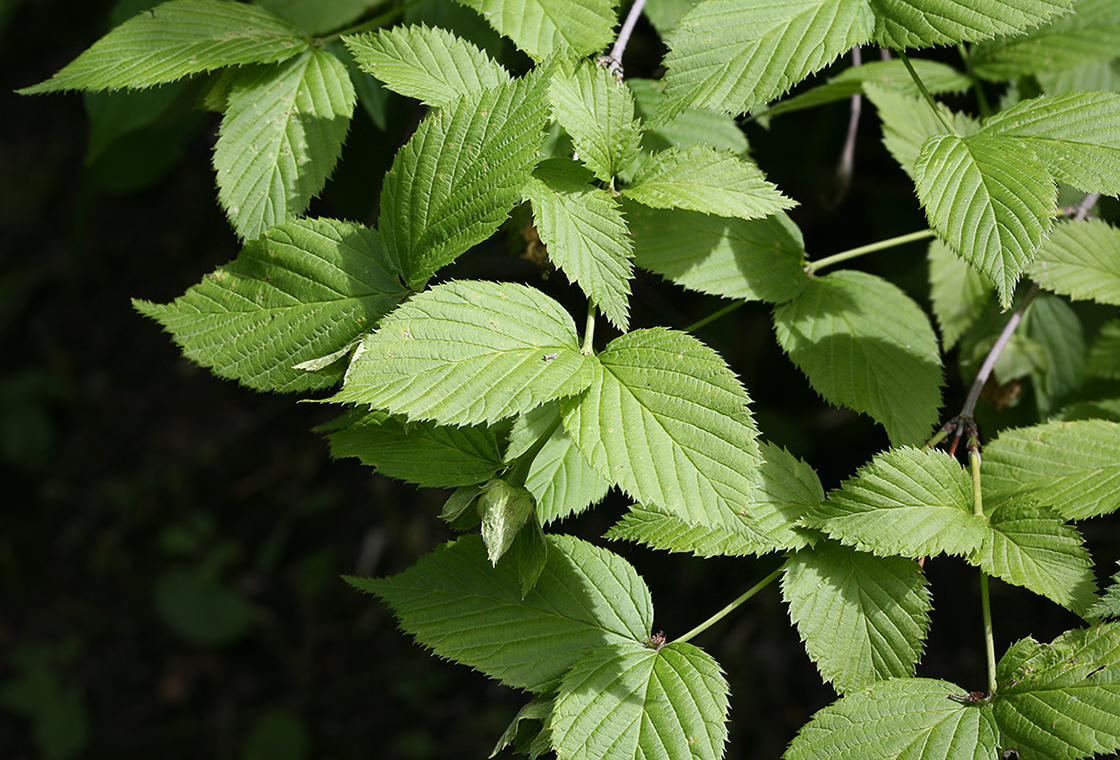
<point>747,260</point>
<point>904,502</point>
<point>563,482</point>
<point>726,55</point>
<point>1108,606</point>
<point>280,138</point>
<point>632,702</point>
<point>464,609</point>
<point>690,127</point>
<point>541,26</point>
<point>306,289</point>
<point>1061,700</point>
<point>705,180</point>
<point>990,199</point>
<point>1054,326</point>
<point>908,719</point>
<point>176,39</point>
<point>1098,76</point>
<point>536,712</point>
<point>1104,354</point>
<point>431,65</point>
<point>1089,34</point>
<point>504,509</point>
<point>423,453</point>
<point>1031,546</point>
<point>455,181</point>
<point>1081,259</point>
<point>318,16</point>
<point>922,23</point>
<point>597,111</point>
<point>863,618</point>
<point>585,233</point>
<point>668,422</point>
<point>1075,134</point>
<point>788,490</point>
<point>957,291</point>
<point>865,344</point>
<point>908,122</point>
<point>1073,467</point>
<point>469,352</point>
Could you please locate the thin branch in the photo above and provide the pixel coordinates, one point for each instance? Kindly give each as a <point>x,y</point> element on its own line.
<point>846,166</point>
<point>731,607</point>
<point>851,253</point>
<point>613,59</point>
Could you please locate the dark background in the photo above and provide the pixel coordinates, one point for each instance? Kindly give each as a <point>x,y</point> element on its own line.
<point>170,543</point>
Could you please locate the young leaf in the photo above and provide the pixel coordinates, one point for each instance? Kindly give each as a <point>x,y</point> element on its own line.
<point>176,39</point>
<point>464,609</point>
<point>469,352</point>
<point>541,26</point>
<point>585,233</point>
<point>667,421</point>
<point>789,488</point>
<point>990,199</point>
<point>1031,546</point>
<point>504,509</point>
<point>304,290</point>
<point>633,702</point>
<point>907,719</point>
<point>280,138</point>
<point>1104,354</point>
<point>1081,260</point>
<point>755,260</point>
<point>957,291</point>
<point>901,24</point>
<point>904,502</point>
<point>726,55</point>
<point>431,65</point>
<point>1061,700</point>
<point>1073,467</point>
<point>597,111</point>
<point>459,175</point>
<point>865,344</point>
<point>703,179</point>
<point>423,453</point>
<point>863,618</point>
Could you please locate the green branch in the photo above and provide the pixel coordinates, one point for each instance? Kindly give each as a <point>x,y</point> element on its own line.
<point>731,607</point>
<point>827,261</point>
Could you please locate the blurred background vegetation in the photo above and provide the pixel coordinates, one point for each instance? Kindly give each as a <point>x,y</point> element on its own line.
<point>171,544</point>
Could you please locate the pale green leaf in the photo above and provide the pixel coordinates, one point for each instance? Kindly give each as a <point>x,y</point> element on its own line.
<point>748,260</point>
<point>788,490</point>
<point>1081,259</point>
<point>863,618</point>
<point>1031,546</point>
<point>431,65</point>
<point>280,138</point>
<point>1061,700</point>
<point>541,26</point>
<point>890,76</point>
<point>597,111</point>
<point>1104,354</point>
<point>1073,467</point>
<point>922,23</point>
<point>908,121</point>
<point>504,509</point>
<point>469,352</point>
<point>865,344</point>
<point>633,702</point>
<point>176,39</point>
<point>990,199</point>
<point>464,609</point>
<point>706,180</point>
<point>562,481</point>
<point>667,421</point>
<point>958,292</point>
<point>306,289</point>
<point>585,233</point>
<point>906,502</point>
<point>690,127</point>
<point>1108,606</point>
<point>1089,34</point>
<point>903,719</point>
<point>726,55</point>
<point>417,452</point>
<point>455,181</point>
<point>1075,134</point>
<point>664,14</point>
<point>1056,329</point>
<point>1103,76</point>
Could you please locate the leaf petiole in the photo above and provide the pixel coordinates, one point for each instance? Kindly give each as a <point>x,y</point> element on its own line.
<point>814,266</point>
<point>925,93</point>
<point>731,607</point>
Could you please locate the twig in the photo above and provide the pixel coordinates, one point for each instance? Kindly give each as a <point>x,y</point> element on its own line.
<point>613,59</point>
<point>845,167</point>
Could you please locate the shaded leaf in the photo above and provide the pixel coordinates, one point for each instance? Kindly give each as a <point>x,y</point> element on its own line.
<point>690,127</point>
<point>1081,259</point>
<point>1104,354</point>
<point>957,291</point>
<point>908,122</point>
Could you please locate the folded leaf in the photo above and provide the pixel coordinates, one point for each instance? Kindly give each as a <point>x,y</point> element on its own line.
<point>469,352</point>
<point>541,26</point>
<point>176,39</point>
<point>1081,260</point>
<point>464,609</point>
<point>280,138</point>
<point>306,289</point>
<point>633,702</point>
